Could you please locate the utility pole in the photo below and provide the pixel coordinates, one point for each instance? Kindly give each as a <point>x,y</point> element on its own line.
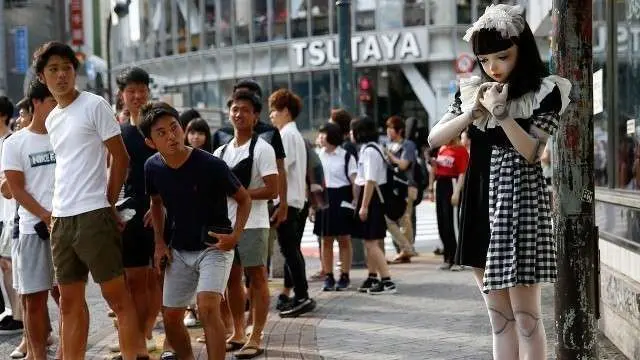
<point>577,289</point>
<point>121,9</point>
<point>347,94</point>
<point>3,46</point>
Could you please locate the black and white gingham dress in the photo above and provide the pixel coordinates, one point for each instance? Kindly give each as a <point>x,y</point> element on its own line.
<point>521,246</point>
<point>521,249</point>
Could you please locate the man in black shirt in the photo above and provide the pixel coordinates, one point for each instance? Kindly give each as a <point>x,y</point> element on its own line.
<point>137,241</point>
<point>193,185</point>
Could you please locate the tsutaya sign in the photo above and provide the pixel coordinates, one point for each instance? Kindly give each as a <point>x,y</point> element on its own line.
<point>374,48</point>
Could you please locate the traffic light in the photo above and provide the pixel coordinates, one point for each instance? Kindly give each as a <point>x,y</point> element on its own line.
<point>364,85</point>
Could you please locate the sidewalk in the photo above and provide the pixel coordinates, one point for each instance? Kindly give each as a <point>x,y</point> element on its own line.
<point>435,315</point>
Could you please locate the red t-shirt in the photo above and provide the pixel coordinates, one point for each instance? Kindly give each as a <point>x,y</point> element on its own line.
<point>451,161</point>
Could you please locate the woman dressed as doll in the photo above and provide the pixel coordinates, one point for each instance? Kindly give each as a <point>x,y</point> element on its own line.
<point>505,227</point>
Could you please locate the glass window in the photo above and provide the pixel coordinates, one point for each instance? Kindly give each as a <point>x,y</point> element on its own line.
<point>226,89</point>
<point>389,14</point>
<point>320,17</point>
<point>299,18</point>
<point>365,15</point>
<point>198,95</point>
<point>225,23</point>
<point>414,12</point>
<point>263,81</point>
<point>628,98</point>
<point>600,133</point>
<point>210,23</point>
<point>186,97</point>
<point>280,81</point>
<point>335,89</point>
<point>213,95</point>
<point>243,17</point>
<point>321,98</point>
<point>260,20</point>
<point>619,221</point>
<point>464,11</point>
<point>183,29</point>
<point>279,19</point>
<point>300,86</point>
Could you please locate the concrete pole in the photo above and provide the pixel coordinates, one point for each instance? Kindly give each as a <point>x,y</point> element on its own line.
<point>347,94</point>
<point>576,301</point>
<point>3,48</point>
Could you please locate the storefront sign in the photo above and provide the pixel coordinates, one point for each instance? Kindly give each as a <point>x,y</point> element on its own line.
<point>376,48</point>
<point>76,23</point>
<point>628,38</point>
<point>598,103</point>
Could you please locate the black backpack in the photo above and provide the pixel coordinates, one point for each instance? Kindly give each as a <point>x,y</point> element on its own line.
<point>318,195</point>
<point>242,170</point>
<point>392,193</point>
<point>421,177</point>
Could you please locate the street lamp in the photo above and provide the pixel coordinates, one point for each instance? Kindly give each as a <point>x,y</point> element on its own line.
<point>121,9</point>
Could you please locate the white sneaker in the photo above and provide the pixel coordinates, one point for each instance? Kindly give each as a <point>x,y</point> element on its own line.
<point>456,268</point>
<point>115,347</point>
<point>190,319</point>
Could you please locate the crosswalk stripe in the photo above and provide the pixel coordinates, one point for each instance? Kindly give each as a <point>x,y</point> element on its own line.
<point>427,236</point>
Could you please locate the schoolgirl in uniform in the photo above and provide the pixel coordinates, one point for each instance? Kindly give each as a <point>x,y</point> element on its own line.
<point>336,221</point>
<point>506,232</point>
<point>370,220</point>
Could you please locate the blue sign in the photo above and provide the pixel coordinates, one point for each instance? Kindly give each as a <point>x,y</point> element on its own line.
<point>21,43</point>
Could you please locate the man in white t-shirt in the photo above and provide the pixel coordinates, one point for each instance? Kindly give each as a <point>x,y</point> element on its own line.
<point>253,161</point>
<point>284,107</point>
<point>28,163</point>
<point>85,233</point>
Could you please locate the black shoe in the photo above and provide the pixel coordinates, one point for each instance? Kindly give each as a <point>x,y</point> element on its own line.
<point>343,283</point>
<point>283,302</point>
<point>368,284</point>
<point>329,283</point>
<point>298,307</point>
<point>12,327</point>
<point>5,320</point>
<point>438,251</point>
<point>383,288</point>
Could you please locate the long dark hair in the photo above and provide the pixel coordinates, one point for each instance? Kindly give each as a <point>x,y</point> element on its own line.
<point>529,71</point>
<point>364,130</point>
<point>201,126</point>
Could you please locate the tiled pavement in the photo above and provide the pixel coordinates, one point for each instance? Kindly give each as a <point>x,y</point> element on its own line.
<point>435,315</point>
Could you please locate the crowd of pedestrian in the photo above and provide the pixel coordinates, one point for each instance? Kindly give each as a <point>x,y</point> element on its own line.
<point>173,218</point>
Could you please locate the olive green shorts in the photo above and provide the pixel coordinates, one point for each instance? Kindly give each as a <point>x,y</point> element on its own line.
<point>88,242</point>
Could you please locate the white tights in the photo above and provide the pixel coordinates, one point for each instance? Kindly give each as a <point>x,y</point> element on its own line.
<point>515,315</point>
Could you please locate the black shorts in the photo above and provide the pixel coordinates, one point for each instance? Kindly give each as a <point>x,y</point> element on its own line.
<point>137,243</point>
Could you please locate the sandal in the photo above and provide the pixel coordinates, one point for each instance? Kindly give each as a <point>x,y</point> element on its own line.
<point>17,354</point>
<point>168,355</point>
<point>233,346</point>
<point>249,352</point>
<point>139,357</point>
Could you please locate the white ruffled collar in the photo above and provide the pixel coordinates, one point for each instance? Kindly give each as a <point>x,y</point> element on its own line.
<point>521,108</point>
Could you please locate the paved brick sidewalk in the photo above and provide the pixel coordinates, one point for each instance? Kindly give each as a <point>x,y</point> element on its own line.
<point>435,315</point>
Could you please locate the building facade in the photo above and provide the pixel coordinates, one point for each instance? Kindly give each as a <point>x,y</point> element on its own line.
<point>404,52</point>
<point>25,30</point>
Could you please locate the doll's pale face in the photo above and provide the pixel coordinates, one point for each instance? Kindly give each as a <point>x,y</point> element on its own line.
<point>499,65</point>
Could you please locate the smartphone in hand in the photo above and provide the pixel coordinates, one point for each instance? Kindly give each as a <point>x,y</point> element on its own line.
<point>42,230</point>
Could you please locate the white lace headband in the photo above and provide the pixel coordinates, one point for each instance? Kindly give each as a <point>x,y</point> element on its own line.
<point>506,19</point>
